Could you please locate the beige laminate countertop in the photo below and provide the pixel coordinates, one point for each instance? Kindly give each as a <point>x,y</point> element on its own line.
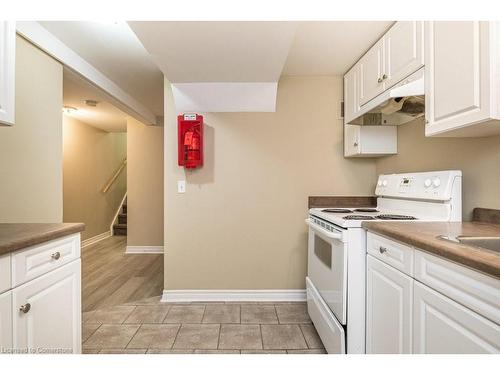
<point>424,236</point>
<point>18,236</point>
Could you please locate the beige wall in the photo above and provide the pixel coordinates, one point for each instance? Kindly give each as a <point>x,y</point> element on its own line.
<point>31,150</point>
<point>145,184</point>
<point>240,224</point>
<point>478,158</point>
<point>90,157</point>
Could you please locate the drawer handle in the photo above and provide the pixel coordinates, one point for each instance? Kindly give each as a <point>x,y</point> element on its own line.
<point>379,80</point>
<point>382,249</point>
<point>25,308</point>
<point>56,255</point>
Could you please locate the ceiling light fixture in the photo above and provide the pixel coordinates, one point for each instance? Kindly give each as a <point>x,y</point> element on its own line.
<point>69,110</point>
<point>91,102</point>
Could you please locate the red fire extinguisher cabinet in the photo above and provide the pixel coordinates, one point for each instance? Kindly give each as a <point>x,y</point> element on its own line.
<point>190,140</point>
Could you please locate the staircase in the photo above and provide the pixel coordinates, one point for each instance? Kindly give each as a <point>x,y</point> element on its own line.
<point>120,229</point>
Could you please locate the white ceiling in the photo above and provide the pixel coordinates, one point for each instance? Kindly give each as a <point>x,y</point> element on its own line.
<point>207,52</point>
<point>104,116</point>
<point>331,47</point>
<point>217,51</point>
<point>113,49</point>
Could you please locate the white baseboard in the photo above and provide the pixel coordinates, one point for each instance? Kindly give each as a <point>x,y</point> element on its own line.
<point>95,239</point>
<point>258,295</point>
<point>144,250</point>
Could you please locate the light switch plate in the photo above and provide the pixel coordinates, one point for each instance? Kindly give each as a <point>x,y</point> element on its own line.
<point>181,186</point>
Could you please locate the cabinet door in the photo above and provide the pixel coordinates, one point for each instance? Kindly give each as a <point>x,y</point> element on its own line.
<point>388,309</point>
<point>351,140</point>
<point>444,326</point>
<point>351,94</point>
<point>371,68</point>
<point>7,71</point>
<point>52,311</point>
<point>6,320</point>
<point>404,51</point>
<point>456,74</point>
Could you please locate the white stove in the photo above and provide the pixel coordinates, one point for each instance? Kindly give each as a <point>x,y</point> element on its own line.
<point>337,249</point>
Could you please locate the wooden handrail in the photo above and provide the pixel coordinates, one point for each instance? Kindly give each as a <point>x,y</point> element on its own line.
<point>115,176</point>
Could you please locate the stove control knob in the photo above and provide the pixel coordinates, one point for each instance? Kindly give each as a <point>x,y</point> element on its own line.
<point>427,182</point>
<point>379,183</point>
<point>384,183</point>
<point>436,182</point>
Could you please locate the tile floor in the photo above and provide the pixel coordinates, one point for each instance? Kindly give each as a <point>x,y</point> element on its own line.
<point>150,326</point>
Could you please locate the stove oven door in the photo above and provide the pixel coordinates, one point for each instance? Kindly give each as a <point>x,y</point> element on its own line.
<point>327,265</point>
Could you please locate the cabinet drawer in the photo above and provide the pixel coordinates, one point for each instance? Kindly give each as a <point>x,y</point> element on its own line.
<point>472,289</point>
<point>38,260</point>
<point>4,273</point>
<point>391,252</point>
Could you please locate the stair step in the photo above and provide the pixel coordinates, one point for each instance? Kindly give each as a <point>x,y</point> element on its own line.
<point>122,218</point>
<point>120,229</point>
<point>124,208</point>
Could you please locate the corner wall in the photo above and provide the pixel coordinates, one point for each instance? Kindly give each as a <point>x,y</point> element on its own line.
<point>31,150</point>
<point>144,184</point>
<point>90,158</point>
<point>240,224</point>
<point>478,158</point>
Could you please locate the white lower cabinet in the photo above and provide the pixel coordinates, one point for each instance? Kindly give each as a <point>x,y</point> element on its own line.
<point>40,307</point>
<point>5,321</point>
<point>444,326</point>
<point>456,311</point>
<point>389,297</point>
<point>46,312</point>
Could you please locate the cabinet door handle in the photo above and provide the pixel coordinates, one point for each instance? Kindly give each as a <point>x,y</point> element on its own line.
<point>56,255</point>
<point>384,76</point>
<point>25,308</point>
<point>355,144</point>
<point>382,249</point>
<point>379,80</point>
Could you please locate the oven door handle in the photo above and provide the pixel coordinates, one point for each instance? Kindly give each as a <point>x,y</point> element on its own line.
<point>317,228</point>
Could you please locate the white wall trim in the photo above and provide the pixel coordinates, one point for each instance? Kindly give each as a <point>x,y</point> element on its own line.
<point>257,295</point>
<point>95,239</point>
<point>43,39</point>
<point>144,250</point>
<point>118,210</point>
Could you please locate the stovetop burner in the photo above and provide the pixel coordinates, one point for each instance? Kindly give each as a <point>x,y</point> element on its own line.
<point>365,210</point>
<point>395,217</point>
<point>358,217</point>
<point>337,210</point>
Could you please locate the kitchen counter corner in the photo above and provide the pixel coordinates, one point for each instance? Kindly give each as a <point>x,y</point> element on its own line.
<point>16,236</point>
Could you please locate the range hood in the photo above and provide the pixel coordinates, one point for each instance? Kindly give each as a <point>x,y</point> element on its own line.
<point>397,105</point>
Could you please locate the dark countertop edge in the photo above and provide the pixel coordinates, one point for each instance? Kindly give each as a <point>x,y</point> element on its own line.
<point>59,230</point>
<point>341,201</point>
<point>444,253</point>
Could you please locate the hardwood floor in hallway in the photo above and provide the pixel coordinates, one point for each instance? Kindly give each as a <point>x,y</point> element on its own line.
<point>110,277</point>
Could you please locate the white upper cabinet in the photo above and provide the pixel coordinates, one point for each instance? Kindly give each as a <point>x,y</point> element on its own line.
<point>351,94</point>
<point>371,68</point>
<point>7,71</point>
<point>462,64</point>
<point>404,51</point>
<point>370,141</point>
<point>398,54</point>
